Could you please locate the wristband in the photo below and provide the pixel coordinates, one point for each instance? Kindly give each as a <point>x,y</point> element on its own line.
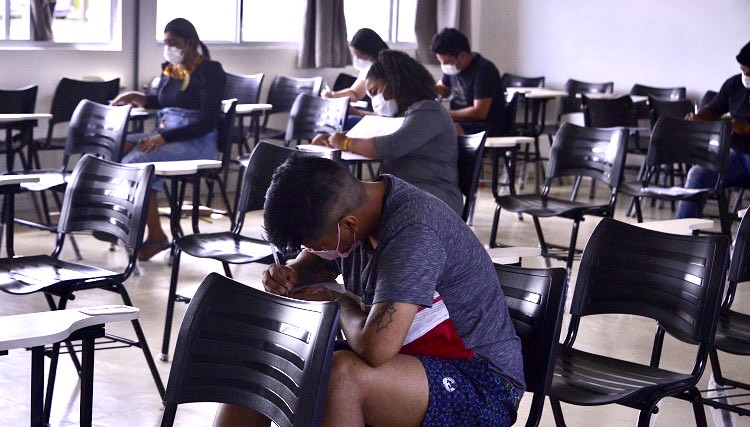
<point>345,145</point>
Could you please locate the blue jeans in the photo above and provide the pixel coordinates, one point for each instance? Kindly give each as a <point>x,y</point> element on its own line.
<point>737,175</point>
<point>202,147</point>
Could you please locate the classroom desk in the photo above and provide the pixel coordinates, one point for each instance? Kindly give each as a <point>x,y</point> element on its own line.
<point>9,186</point>
<point>499,146</point>
<point>357,160</point>
<point>23,122</point>
<point>181,169</point>
<point>636,98</point>
<point>35,330</point>
<point>512,254</point>
<point>254,112</point>
<point>138,117</point>
<point>684,226</point>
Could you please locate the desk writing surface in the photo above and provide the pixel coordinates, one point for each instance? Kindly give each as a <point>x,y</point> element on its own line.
<point>251,108</point>
<point>4,118</point>
<point>17,179</point>
<point>47,327</point>
<point>180,167</point>
<point>345,155</point>
<point>684,226</point>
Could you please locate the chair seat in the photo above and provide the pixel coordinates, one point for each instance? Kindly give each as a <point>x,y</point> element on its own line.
<point>28,274</point>
<point>536,205</point>
<point>270,133</point>
<point>733,333</point>
<point>588,379</point>
<point>225,246</point>
<point>47,181</point>
<point>636,189</point>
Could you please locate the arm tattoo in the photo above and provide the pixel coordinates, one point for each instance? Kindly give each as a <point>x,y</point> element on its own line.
<point>385,317</point>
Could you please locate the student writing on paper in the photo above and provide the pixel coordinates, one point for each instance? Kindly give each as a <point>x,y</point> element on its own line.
<point>397,246</point>
<point>423,151</point>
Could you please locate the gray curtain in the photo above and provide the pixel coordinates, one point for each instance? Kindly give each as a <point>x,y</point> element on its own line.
<point>324,42</point>
<point>434,15</point>
<point>41,20</point>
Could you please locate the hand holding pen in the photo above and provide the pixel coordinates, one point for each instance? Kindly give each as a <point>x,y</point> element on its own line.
<point>279,279</point>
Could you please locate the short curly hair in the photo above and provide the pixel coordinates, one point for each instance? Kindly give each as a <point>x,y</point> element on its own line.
<point>409,80</point>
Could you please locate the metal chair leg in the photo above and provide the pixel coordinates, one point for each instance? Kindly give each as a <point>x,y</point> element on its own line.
<point>164,355</point>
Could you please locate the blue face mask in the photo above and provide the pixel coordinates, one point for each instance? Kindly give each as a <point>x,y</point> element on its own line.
<point>331,255</point>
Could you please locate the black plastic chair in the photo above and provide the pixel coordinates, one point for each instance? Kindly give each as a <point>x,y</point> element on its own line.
<point>67,95</point>
<point>707,98</point>
<point>246,90</point>
<point>692,143</point>
<point>642,109</point>
<point>152,88</point>
<point>230,247</point>
<point>281,95</point>
<point>535,299</point>
<point>577,151</point>
<point>470,153</point>
<point>513,80</point>
<point>103,197</point>
<point>311,115</point>
<point>94,129</point>
<point>343,81</point>
<point>676,281</point>
<point>256,350</point>
<point>16,101</point>
<point>733,329</point>
<point>668,108</point>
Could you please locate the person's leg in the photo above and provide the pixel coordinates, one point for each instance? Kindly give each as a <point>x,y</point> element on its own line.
<point>697,177</point>
<point>237,416</point>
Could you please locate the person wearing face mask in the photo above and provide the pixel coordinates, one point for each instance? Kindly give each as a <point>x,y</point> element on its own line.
<point>423,151</point>
<point>477,94</point>
<point>405,252</point>
<point>189,99</point>
<point>733,98</point>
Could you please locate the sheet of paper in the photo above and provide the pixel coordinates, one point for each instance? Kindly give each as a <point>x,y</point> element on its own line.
<point>372,126</point>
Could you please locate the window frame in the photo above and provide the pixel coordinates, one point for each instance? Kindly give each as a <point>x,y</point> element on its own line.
<point>114,44</point>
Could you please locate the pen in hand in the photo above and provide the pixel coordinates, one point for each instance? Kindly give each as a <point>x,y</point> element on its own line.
<point>276,261</point>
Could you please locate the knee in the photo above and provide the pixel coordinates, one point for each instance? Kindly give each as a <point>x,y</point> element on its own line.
<point>348,372</point>
<point>698,177</point>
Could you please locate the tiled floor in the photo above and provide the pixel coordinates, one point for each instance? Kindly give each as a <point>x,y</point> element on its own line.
<point>124,393</point>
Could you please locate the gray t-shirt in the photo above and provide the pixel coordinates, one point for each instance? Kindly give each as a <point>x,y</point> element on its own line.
<point>423,247</point>
<point>424,152</point>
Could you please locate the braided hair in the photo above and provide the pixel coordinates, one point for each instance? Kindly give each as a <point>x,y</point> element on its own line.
<point>409,80</point>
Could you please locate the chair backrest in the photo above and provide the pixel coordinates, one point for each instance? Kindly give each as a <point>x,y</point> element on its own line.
<point>97,129</point>
<point>311,115</point>
<point>674,279</point>
<point>535,299</point>
<point>707,98</point>
<point>109,197</point>
<point>610,112</point>
<point>508,126</point>
<point>739,268</point>
<point>70,92</point>
<point>695,143</point>
<point>152,88</point>
<point>513,80</point>
<point>284,91</point>
<point>577,86</point>
<point>16,101</point>
<point>245,88</point>
<point>344,81</point>
<point>668,108</point>
<point>225,128</point>
<point>470,153</point>
<point>664,93</point>
<point>253,349</point>
<point>585,151</point>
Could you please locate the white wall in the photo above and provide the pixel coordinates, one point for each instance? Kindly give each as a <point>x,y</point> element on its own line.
<point>653,42</point>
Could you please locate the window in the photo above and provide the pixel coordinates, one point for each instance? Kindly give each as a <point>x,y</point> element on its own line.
<point>239,21</point>
<point>73,21</point>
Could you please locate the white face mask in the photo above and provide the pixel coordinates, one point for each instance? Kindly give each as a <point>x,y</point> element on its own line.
<point>746,81</point>
<point>384,107</point>
<point>449,69</point>
<point>361,64</point>
<point>173,55</point>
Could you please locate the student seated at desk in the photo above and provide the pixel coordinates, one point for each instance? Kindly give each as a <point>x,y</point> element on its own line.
<point>733,98</point>
<point>396,246</point>
<point>189,98</point>
<point>472,81</point>
<point>423,151</point>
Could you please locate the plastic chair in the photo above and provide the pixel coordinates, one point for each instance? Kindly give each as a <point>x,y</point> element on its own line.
<point>577,151</point>
<point>231,247</point>
<point>94,129</point>
<point>253,349</point>
<point>68,94</point>
<point>513,80</point>
<point>733,328</point>
<point>103,197</point>
<point>343,81</point>
<point>707,98</point>
<point>663,93</point>
<point>668,108</point>
<point>152,88</point>
<point>15,101</point>
<point>311,115</point>
<point>470,154</point>
<point>246,90</point>
<point>676,281</point>
<point>692,143</point>
<point>281,95</point>
<point>535,299</point>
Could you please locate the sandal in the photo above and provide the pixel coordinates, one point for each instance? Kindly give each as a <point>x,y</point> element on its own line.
<point>151,248</point>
